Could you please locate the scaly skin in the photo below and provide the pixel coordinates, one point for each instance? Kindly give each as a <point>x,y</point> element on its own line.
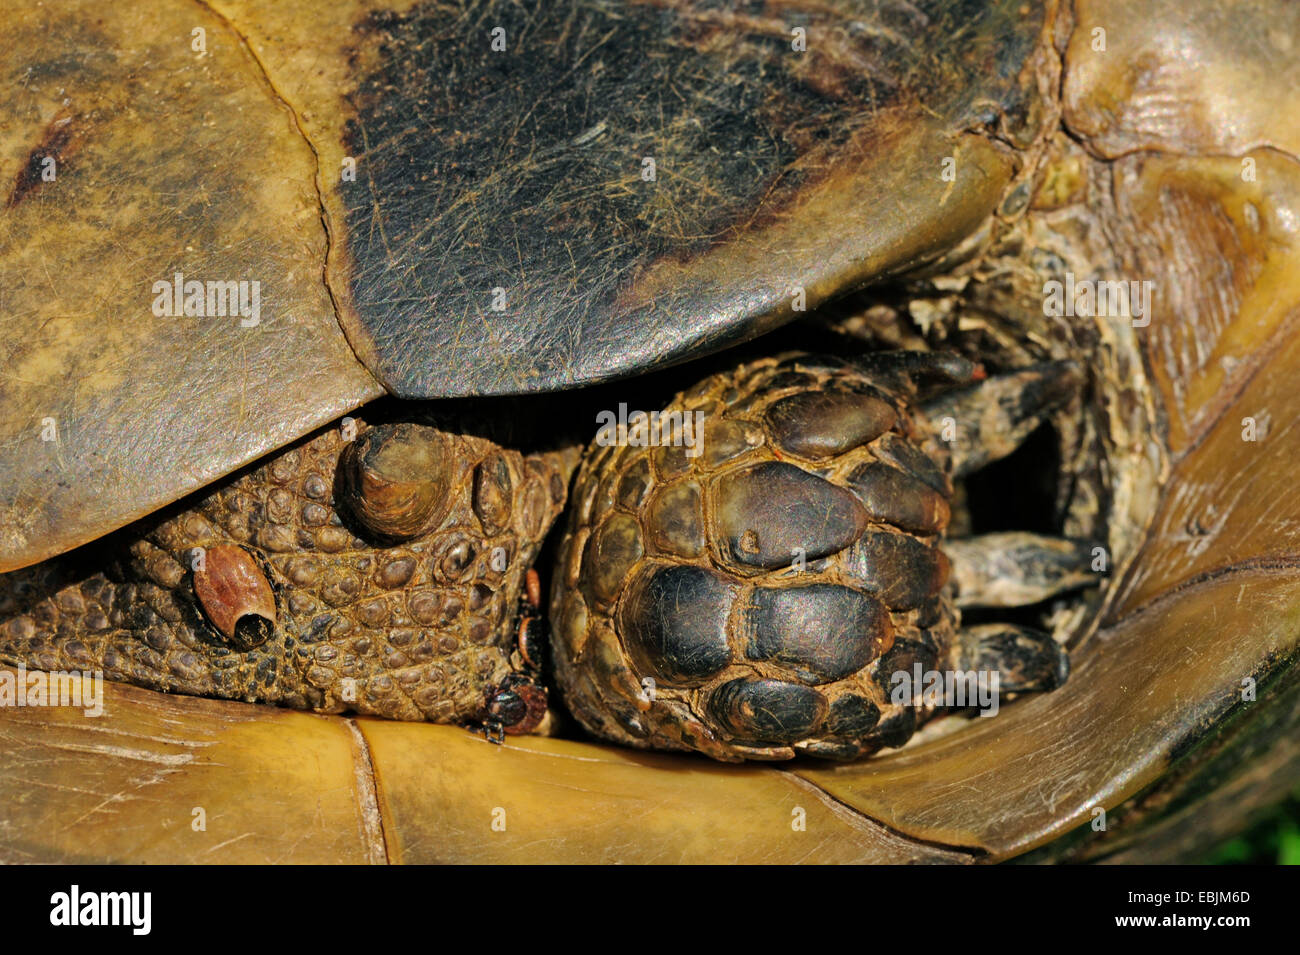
<point>422,627</point>
<point>866,604</point>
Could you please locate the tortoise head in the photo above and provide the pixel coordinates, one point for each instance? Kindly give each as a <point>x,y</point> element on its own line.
<point>374,569</point>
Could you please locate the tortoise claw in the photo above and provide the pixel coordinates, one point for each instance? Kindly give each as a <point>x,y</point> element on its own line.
<point>1026,660</point>
<point>985,422</point>
<point>1016,568</point>
<point>919,371</point>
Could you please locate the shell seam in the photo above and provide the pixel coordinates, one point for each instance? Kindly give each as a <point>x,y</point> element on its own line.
<point>1270,565</point>
<point>870,824</point>
<point>315,179</point>
<point>367,791</point>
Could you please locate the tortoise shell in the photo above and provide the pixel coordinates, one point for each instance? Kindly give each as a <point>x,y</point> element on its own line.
<point>1166,151</point>
<point>521,242</point>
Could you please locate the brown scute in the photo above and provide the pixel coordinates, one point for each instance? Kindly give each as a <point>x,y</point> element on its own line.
<point>674,520</point>
<point>767,513</point>
<point>893,497</point>
<point>611,552</point>
<point>903,571</point>
<point>823,632</point>
<point>821,425</point>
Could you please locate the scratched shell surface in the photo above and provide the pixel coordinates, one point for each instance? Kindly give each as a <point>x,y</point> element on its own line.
<point>1151,726</point>
<point>536,123</point>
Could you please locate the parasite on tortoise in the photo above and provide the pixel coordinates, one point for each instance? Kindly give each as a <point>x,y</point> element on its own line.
<point>518,704</point>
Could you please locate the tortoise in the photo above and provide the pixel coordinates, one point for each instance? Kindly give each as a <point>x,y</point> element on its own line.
<point>375,568</point>
<point>476,200</point>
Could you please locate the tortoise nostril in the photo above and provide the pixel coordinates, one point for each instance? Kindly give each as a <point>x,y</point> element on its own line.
<point>394,479</point>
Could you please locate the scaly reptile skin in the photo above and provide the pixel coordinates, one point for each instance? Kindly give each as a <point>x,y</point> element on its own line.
<point>423,628</point>
<point>655,578</point>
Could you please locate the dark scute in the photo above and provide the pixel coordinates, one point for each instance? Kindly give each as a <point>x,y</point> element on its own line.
<point>893,497</point>
<point>767,711</point>
<point>903,571</point>
<point>852,717</point>
<point>823,631</point>
<point>764,512</point>
<point>673,621</point>
<point>903,657</point>
<point>906,456</point>
<point>522,169</point>
<point>821,424</point>
<point>895,730</point>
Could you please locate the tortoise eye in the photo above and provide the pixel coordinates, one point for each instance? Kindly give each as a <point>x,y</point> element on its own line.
<point>395,479</point>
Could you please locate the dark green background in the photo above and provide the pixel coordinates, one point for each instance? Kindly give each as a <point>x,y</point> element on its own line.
<point>1275,839</point>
